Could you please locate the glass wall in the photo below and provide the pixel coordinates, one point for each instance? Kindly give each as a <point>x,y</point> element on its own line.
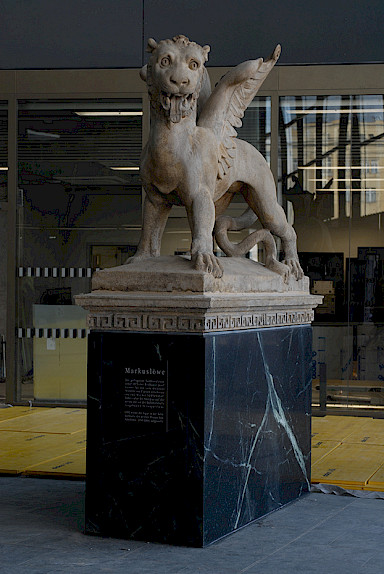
<point>78,208</point>
<point>331,176</point>
<point>256,128</point>
<point>3,239</point>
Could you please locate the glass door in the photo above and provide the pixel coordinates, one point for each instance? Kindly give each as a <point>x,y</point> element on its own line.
<point>78,191</point>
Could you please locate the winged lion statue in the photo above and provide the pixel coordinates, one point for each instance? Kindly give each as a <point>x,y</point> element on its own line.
<point>194,158</point>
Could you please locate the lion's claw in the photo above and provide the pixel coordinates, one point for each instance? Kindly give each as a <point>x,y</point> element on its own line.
<point>280,268</point>
<point>294,268</point>
<point>208,263</point>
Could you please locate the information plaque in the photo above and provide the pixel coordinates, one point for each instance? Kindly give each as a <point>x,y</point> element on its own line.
<point>145,395</point>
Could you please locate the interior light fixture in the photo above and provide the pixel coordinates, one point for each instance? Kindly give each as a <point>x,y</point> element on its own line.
<point>339,167</point>
<point>338,111</point>
<point>347,189</point>
<point>350,406</point>
<point>325,179</point>
<point>3,169</point>
<point>125,168</point>
<point>109,114</point>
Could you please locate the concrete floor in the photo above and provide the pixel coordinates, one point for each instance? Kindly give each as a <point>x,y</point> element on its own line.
<point>41,522</point>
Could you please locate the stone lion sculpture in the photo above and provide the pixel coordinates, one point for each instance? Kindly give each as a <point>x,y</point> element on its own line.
<point>194,158</point>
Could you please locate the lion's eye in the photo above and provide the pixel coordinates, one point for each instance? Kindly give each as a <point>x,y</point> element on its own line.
<point>166,61</point>
<point>193,65</point>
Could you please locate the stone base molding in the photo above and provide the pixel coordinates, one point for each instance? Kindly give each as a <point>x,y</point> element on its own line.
<point>148,312</point>
<point>165,294</point>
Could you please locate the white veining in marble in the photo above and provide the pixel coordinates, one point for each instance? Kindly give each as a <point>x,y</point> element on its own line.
<point>273,405</point>
<point>208,446</point>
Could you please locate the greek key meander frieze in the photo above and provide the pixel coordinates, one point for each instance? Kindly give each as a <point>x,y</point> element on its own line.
<point>211,322</point>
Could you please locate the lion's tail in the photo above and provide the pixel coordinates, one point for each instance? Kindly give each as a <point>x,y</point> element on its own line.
<point>225,223</point>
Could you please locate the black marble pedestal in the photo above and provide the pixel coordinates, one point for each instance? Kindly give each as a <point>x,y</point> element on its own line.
<point>192,436</point>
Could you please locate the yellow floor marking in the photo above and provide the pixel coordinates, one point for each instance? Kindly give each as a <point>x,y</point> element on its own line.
<point>20,450</point>
<point>11,441</point>
<point>336,427</point>
<point>350,464</point>
<point>68,465</point>
<point>371,433</point>
<point>321,448</point>
<point>14,412</point>
<point>376,482</point>
<point>56,420</point>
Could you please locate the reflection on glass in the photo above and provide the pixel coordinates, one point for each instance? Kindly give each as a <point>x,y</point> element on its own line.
<point>256,128</point>
<point>3,239</point>
<point>3,151</point>
<point>332,181</point>
<point>79,208</point>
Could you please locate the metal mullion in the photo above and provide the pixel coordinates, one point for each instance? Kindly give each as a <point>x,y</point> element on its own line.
<point>319,133</point>
<point>145,127</point>
<point>78,96</point>
<point>11,390</point>
<point>275,142</point>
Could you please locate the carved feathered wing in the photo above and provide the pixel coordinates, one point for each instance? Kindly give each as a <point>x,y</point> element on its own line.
<point>226,105</point>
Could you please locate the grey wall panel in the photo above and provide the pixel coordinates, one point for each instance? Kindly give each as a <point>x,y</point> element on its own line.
<point>109,33</point>
<point>310,31</point>
<point>70,33</point>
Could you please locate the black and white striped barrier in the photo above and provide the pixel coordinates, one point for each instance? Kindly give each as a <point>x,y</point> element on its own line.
<point>31,333</point>
<point>56,271</point>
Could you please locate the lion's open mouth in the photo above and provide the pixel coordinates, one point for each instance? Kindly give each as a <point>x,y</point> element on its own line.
<point>177,105</point>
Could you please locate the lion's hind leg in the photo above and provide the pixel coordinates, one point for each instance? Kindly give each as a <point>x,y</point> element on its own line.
<point>272,217</point>
<point>226,223</point>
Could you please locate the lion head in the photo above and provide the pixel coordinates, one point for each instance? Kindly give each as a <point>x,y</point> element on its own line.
<point>174,75</point>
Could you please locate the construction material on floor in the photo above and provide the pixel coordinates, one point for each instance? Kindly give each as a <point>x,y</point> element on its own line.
<point>356,462</point>
<point>39,441</point>
<point>43,441</point>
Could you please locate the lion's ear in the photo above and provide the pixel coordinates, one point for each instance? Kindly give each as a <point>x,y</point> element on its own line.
<point>206,50</point>
<point>152,45</point>
<point>143,73</point>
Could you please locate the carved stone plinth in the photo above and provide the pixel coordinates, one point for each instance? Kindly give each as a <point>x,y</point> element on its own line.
<point>166,295</point>
<point>198,400</point>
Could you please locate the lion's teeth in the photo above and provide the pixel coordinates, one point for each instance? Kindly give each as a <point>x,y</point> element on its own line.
<point>178,105</point>
<point>165,101</point>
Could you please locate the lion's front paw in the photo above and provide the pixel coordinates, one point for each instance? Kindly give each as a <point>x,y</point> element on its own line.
<point>137,257</point>
<point>208,263</point>
<point>280,268</point>
<point>294,268</point>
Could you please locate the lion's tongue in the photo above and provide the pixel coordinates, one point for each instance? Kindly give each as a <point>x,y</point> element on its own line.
<point>175,112</point>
